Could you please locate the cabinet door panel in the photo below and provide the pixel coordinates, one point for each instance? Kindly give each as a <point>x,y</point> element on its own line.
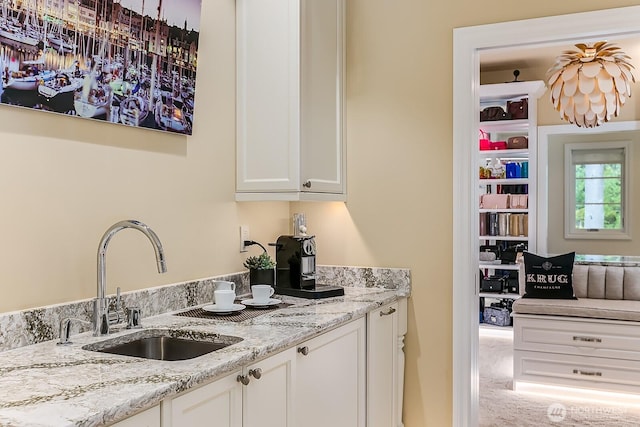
<point>268,130</point>
<point>268,400</point>
<point>218,404</point>
<point>321,92</point>
<point>148,418</point>
<point>382,354</point>
<point>330,379</point>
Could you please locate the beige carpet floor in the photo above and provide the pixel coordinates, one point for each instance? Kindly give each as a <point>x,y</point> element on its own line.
<point>500,406</point>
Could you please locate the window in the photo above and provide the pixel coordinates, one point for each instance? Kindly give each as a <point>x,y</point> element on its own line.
<point>596,197</point>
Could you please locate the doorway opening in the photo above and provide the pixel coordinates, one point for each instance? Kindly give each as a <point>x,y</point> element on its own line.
<point>469,43</point>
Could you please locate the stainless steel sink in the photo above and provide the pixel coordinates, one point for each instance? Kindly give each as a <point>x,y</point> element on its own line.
<point>164,344</point>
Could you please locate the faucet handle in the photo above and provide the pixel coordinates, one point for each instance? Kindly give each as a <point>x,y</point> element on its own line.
<point>133,317</point>
<point>119,306</point>
<point>65,329</point>
<point>118,313</point>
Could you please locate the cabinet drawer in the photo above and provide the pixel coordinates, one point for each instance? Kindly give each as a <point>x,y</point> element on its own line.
<point>576,371</point>
<point>620,340</point>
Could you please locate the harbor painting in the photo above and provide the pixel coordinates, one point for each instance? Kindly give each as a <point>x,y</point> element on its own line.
<point>131,62</point>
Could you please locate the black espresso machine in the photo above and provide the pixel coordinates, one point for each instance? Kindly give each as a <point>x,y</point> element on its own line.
<point>296,269</point>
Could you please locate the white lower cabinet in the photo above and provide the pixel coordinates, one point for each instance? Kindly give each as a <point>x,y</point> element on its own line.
<point>321,382</point>
<point>216,404</point>
<point>386,328</point>
<point>351,376</point>
<point>330,378</point>
<point>147,418</point>
<point>382,378</point>
<point>267,398</point>
<point>258,396</point>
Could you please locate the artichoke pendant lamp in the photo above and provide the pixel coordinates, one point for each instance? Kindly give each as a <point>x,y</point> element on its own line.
<point>589,85</point>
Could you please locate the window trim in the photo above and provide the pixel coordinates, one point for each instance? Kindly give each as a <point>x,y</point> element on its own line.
<point>570,231</point>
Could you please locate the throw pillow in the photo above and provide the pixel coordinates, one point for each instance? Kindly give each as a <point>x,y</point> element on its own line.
<point>549,277</point>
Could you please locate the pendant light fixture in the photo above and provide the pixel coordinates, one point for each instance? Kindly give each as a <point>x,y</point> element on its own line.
<point>589,85</point>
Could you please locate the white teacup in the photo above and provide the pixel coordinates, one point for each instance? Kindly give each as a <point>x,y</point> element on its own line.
<point>219,285</point>
<point>262,293</point>
<point>224,298</point>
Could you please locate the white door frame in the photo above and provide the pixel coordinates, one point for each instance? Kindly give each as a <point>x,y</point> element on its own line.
<point>467,43</point>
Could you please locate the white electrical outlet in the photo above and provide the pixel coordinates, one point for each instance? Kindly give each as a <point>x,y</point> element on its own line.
<point>244,235</point>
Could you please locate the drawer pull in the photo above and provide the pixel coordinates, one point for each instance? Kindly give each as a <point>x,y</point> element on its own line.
<point>587,339</point>
<point>587,373</point>
<point>303,350</point>
<point>388,312</point>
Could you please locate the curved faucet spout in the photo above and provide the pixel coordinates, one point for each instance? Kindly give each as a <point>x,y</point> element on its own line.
<point>101,309</point>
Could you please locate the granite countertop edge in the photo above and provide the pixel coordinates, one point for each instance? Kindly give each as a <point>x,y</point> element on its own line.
<point>50,385</point>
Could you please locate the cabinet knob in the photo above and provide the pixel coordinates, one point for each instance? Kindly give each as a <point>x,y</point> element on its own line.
<point>243,379</point>
<point>255,373</point>
<point>388,312</point>
<point>303,350</point>
<point>307,184</point>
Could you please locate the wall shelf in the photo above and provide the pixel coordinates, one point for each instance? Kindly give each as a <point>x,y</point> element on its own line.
<point>489,266</point>
<point>509,238</point>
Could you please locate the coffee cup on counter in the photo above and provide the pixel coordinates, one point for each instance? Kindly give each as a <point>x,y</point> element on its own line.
<point>224,285</point>
<point>224,298</point>
<point>262,293</point>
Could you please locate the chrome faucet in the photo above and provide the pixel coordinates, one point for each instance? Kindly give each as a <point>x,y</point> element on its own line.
<point>102,319</point>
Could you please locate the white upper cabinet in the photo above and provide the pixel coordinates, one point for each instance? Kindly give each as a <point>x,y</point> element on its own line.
<point>290,68</point>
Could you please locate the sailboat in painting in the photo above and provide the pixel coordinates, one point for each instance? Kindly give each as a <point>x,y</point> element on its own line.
<point>133,110</point>
<point>28,77</point>
<point>94,100</point>
<point>10,31</point>
<point>63,85</point>
<point>169,114</point>
<point>23,28</point>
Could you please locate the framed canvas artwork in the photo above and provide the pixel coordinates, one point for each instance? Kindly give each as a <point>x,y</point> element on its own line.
<point>131,62</point>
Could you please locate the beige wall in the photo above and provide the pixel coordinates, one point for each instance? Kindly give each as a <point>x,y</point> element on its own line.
<point>64,181</point>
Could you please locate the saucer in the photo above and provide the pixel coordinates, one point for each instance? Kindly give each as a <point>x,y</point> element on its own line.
<point>253,303</point>
<point>226,310</point>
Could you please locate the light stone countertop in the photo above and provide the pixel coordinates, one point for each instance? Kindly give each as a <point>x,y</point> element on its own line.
<point>49,385</point>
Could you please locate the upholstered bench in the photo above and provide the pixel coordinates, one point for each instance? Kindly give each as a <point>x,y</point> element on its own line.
<point>592,342</point>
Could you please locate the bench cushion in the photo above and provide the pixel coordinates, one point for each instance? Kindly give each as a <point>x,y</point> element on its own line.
<point>596,308</point>
<point>611,282</point>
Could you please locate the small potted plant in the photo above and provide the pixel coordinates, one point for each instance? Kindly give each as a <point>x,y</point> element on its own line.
<point>261,269</point>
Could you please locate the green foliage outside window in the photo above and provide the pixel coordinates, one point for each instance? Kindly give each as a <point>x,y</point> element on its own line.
<point>612,196</point>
